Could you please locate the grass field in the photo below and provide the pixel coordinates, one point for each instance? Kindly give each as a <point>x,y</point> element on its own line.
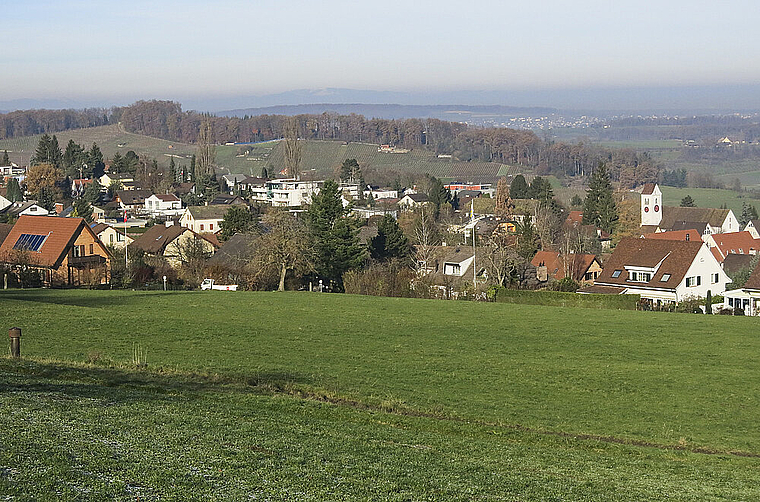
<point>110,139</point>
<point>707,197</point>
<point>304,396</point>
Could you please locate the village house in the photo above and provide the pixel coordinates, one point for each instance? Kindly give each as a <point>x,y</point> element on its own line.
<point>78,186</point>
<point>453,269</point>
<point>413,201</point>
<point>24,208</point>
<point>202,219</point>
<point>378,193</point>
<point>109,236</point>
<point>753,227</point>
<point>120,179</point>
<point>132,200</point>
<point>163,205</point>
<point>582,268</point>
<point>231,181</point>
<point>661,271</point>
<point>747,298</point>
<point>64,251</point>
<point>172,243</point>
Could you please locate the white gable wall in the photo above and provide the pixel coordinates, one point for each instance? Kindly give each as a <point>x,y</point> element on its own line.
<point>730,224</point>
<point>704,266</point>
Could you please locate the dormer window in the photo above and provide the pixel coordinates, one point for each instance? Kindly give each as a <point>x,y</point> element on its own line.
<point>639,276</point>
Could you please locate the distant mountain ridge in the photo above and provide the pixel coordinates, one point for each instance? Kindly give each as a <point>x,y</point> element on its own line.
<point>393,111</point>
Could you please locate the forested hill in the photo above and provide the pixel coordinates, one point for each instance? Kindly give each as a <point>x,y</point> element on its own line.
<point>167,120</point>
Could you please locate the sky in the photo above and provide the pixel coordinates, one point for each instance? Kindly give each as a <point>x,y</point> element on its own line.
<point>101,51</point>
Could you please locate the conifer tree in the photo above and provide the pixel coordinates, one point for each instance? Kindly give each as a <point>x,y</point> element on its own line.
<point>390,241</point>
<point>600,209</point>
<point>336,237</point>
<point>519,188</point>
<point>6,160</point>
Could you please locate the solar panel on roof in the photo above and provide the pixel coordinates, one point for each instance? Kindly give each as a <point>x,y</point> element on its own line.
<point>30,242</point>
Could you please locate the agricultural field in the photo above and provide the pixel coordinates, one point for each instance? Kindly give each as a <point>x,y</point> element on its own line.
<point>323,159</point>
<point>320,159</point>
<point>306,396</point>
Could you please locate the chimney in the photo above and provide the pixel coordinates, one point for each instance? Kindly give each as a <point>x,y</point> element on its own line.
<point>58,208</point>
<point>169,223</point>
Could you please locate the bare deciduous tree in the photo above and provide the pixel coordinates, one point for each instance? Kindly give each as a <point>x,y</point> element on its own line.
<point>204,165</point>
<point>292,148</point>
<point>285,245</point>
<point>426,239</point>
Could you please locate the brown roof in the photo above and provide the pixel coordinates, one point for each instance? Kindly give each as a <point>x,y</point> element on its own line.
<point>215,212</point>
<point>700,227</point>
<point>157,237</point>
<point>674,257</point>
<point>676,235</point>
<point>671,216</point>
<point>133,197</point>
<point>736,262</point>
<point>557,265</point>
<point>648,189</point>
<point>99,227</point>
<point>5,229</point>
<point>754,279</point>
<point>60,235</point>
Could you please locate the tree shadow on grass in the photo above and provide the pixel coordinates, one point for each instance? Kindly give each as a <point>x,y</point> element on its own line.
<point>119,385</point>
<point>69,297</point>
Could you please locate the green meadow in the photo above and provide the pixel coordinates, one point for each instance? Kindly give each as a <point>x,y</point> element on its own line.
<point>302,396</point>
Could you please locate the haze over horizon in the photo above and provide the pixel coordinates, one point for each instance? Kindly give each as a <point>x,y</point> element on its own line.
<point>235,54</point>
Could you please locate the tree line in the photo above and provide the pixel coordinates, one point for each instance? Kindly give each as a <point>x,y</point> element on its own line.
<point>167,120</point>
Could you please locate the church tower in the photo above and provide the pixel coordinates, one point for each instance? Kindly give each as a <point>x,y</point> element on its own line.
<point>651,205</point>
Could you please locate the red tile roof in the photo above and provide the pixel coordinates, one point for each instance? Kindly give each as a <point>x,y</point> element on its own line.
<point>575,217</point>
<point>734,242</point>
<point>676,235</point>
<point>61,234</point>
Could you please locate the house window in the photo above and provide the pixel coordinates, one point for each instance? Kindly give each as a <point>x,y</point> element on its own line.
<point>730,302</point>
<point>693,281</point>
<point>665,277</point>
<point>639,276</point>
<point>111,238</point>
<point>715,278</point>
<point>201,226</point>
<point>452,269</point>
<point>616,274</point>
<point>210,226</point>
<point>91,249</point>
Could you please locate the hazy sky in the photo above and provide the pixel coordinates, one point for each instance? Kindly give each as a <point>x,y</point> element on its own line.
<point>166,49</point>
